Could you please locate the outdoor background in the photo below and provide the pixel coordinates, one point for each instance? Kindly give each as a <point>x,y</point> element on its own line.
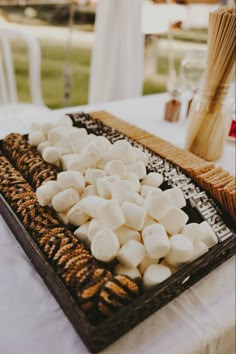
<point>49,23</point>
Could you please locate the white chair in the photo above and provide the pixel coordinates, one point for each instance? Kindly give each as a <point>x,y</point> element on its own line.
<point>9,103</point>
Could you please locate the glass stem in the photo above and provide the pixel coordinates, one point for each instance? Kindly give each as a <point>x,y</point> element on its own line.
<point>171,65</point>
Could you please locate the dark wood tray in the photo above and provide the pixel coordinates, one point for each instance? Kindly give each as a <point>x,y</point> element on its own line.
<point>98,337</point>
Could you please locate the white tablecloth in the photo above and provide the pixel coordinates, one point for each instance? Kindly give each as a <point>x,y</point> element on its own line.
<point>201,320</point>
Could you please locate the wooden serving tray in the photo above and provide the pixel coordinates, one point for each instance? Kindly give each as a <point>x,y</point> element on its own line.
<point>199,207</point>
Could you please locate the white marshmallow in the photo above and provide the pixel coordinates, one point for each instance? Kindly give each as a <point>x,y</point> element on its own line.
<point>146,262</point>
<point>125,234</point>
<point>105,245</point>
<point>155,274</point>
<point>138,168</point>
<point>92,137</point>
<point>65,159</point>
<point>94,226</point>
<point>65,200</point>
<point>46,192</point>
<point>181,250</point>
<point>89,190</point>
<point>82,233</point>
<point>36,137</point>
<point>47,126</point>
<point>63,217</point>
<point>200,248</point>
<point>122,150</point>
<point>76,134</point>
<point>134,215</point>
<point>106,157</point>
<point>103,142</point>
<point>71,179</point>
<point>123,190</point>
<point>149,221</point>
<point>64,121</point>
<point>157,205</point>
<point>141,156</point>
<point>64,147</point>
<point>90,204</point>
<point>172,269</point>
<point>176,197</point>
<point>149,190</point>
<point>78,145</point>
<point>133,178</point>
<point>133,273</point>
<point>51,154</point>
<point>131,254</point>
<point>103,186</point>
<point>156,241</point>
<point>174,220</point>
<point>153,179</point>
<point>192,231</point>
<point>57,134</point>
<point>92,174</point>
<point>139,200</point>
<point>115,168</point>
<point>43,145</point>
<point>110,215</point>
<point>207,235</point>
<point>76,164</point>
<point>76,216</point>
<point>91,154</point>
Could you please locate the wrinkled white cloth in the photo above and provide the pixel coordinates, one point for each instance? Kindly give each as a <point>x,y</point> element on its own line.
<point>117,58</point>
<point>200,321</point>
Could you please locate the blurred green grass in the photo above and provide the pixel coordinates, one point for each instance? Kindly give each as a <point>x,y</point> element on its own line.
<point>54,60</point>
<point>52,73</point>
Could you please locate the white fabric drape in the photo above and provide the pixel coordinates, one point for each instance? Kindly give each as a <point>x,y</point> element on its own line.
<point>117,59</point>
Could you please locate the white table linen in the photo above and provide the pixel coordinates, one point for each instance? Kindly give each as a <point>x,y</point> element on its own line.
<point>199,321</point>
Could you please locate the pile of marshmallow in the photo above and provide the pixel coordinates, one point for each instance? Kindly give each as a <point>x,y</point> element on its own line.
<point>119,209</point>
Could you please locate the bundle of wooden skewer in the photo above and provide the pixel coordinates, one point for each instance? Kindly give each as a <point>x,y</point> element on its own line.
<point>209,126</point>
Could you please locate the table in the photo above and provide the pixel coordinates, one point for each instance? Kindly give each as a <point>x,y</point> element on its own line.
<point>201,320</point>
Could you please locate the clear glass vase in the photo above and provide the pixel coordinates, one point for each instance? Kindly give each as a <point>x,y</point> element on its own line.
<point>209,121</point>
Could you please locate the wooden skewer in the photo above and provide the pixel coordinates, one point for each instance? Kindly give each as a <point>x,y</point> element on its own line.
<point>208,126</point>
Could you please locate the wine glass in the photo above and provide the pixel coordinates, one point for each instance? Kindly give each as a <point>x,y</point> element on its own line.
<point>191,71</point>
